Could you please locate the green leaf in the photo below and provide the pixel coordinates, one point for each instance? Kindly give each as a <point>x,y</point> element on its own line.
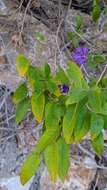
<point>29,167</point>
<point>96,13</point>
<point>95,99</point>
<point>75,73</point>
<point>72,36</point>
<point>21,110</point>
<point>50,86</point>
<point>91,62</point>
<point>97,124</point>
<point>20,93</point>
<point>104,109</point>
<point>99,58</point>
<point>40,36</point>
<point>36,78</point>
<point>61,76</point>
<point>79,21</point>
<point>49,136</point>
<point>76,95</point>
<point>98,144</point>
<point>63,158</point>
<point>51,160</point>
<point>69,122</point>
<point>53,114</point>
<point>37,106</point>
<point>22,64</point>
<point>83,124</point>
<point>105,122</point>
<point>47,70</point>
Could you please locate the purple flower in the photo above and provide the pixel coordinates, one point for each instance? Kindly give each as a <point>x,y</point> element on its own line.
<point>80,55</point>
<point>64,88</point>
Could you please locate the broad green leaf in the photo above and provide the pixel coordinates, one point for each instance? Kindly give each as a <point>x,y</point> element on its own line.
<point>76,95</point>
<point>47,70</point>
<point>37,106</point>
<point>105,122</point>
<point>104,109</point>
<point>97,124</point>
<point>63,158</point>
<point>22,64</point>
<point>49,136</point>
<point>20,93</point>
<point>29,167</point>
<point>98,144</point>
<point>95,100</point>
<point>51,160</point>
<point>51,86</point>
<point>74,73</point>
<point>21,110</point>
<point>53,114</point>
<point>83,124</point>
<point>69,122</point>
<point>99,58</point>
<point>36,78</point>
<point>103,83</point>
<point>61,76</point>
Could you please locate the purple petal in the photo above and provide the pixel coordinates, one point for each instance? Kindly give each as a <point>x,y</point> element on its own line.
<point>85,50</point>
<point>78,50</point>
<point>65,89</point>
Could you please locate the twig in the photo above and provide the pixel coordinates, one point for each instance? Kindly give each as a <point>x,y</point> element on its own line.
<point>94,188</point>
<point>103,72</point>
<point>85,151</point>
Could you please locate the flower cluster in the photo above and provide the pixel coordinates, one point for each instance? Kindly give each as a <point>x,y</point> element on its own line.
<point>80,55</point>
<point>64,89</point>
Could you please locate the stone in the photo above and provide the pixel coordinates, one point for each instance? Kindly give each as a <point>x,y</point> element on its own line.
<point>79,178</point>
<point>37,52</point>
<point>13,183</point>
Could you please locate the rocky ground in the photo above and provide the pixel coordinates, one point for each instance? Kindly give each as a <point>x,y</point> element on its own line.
<point>18,34</point>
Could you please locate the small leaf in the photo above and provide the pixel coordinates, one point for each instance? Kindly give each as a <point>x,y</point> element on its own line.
<point>83,124</point>
<point>97,124</point>
<point>105,122</point>
<point>22,64</point>
<point>36,78</point>
<point>74,73</point>
<point>91,62</point>
<point>76,95</point>
<point>79,21</point>
<point>72,36</point>
<point>98,144</point>
<point>69,122</point>
<point>29,167</point>
<point>49,136</point>
<point>21,110</point>
<point>61,77</point>
<point>63,158</point>
<point>99,58</point>
<point>51,160</point>
<point>96,13</point>
<point>20,93</point>
<point>40,36</point>
<point>95,99</point>
<point>51,86</point>
<point>37,106</point>
<point>53,114</point>
<point>47,70</point>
